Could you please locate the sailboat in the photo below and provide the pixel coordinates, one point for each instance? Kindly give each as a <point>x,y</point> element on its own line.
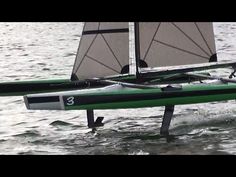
<point>170,63</point>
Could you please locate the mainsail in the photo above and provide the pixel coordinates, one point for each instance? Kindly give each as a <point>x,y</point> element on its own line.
<point>170,44</point>
<point>103,50</point>
<point>104,47</point>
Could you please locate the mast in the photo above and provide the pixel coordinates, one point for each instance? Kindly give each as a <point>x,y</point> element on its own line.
<point>137,47</point>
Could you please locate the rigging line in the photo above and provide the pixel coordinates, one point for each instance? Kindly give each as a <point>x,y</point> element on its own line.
<point>190,38</point>
<point>103,64</point>
<point>111,51</point>
<point>158,27</point>
<point>86,53</point>
<point>203,38</point>
<point>181,49</point>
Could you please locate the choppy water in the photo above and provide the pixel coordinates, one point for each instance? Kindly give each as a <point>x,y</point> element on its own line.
<point>47,51</point>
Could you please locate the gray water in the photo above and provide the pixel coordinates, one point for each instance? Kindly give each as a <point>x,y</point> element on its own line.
<point>32,51</point>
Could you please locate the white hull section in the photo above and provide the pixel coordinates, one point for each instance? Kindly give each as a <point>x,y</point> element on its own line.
<point>54,101</point>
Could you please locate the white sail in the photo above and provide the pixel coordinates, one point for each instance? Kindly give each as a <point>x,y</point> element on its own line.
<point>103,50</point>
<point>172,44</point>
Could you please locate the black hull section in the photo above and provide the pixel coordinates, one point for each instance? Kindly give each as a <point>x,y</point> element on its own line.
<point>30,87</point>
<point>22,88</point>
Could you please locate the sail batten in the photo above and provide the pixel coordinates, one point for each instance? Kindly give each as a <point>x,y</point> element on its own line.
<point>121,30</point>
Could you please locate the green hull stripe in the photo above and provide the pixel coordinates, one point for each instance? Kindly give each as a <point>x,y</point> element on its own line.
<point>155,103</point>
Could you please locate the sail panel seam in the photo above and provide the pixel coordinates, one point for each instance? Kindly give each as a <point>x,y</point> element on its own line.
<point>152,41</point>
<point>91,58</point>
<point>85,54</point>
<point>203,38</point>
<point>111,51</point>
<point>190,38</point>
<point>181,49</point>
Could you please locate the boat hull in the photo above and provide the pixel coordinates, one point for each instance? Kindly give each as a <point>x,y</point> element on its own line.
<point>21,88</point>
<point>117,97</point>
